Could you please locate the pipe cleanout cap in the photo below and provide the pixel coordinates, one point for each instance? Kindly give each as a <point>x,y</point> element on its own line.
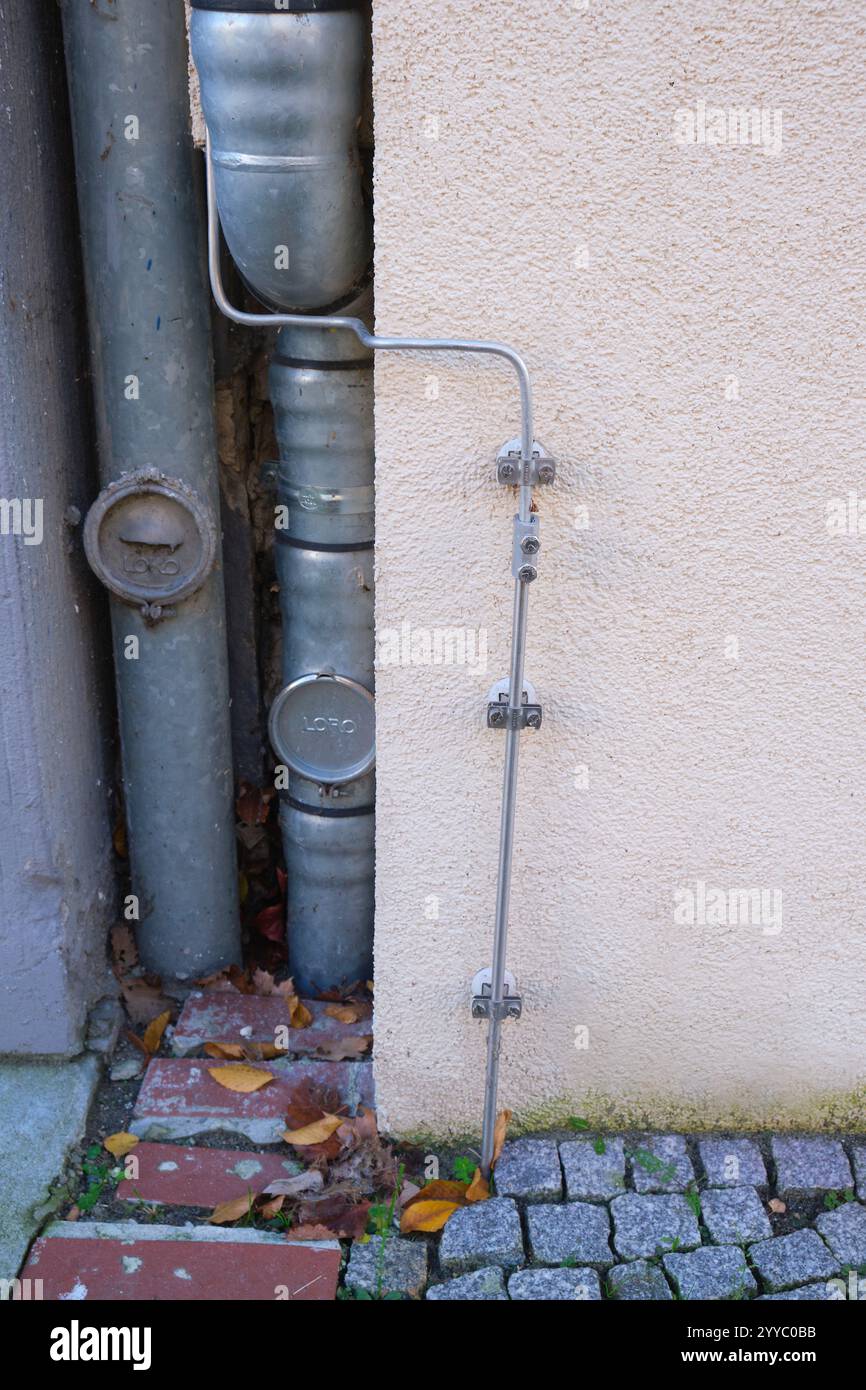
<point>323,727</point>
<point>276,6</point>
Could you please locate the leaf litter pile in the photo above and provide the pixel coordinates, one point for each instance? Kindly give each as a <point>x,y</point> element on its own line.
<point>352,1185</point>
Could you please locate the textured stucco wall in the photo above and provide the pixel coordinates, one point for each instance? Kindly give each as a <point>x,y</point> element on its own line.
<point>56,865</point>
<point>699,646</point>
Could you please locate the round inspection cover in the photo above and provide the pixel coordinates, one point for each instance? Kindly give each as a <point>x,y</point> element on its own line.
<point>149,539</point>
<point>323,727</point>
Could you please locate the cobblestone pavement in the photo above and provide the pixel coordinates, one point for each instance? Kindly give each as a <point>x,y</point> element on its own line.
<point>655,1218</point>
<point>572,1216</point>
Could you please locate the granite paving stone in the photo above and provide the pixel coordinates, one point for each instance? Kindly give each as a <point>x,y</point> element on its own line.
<point>798,1258</point>
<point>591,1176</point>
<point>734,1215</point>
<point>556,1285</point>
<point>660,1163</point>
<point>650,1224</point>
<point>485,1285</point>
<point>639,1281</point>
<point>578,1231</point>
<point>823,1293</point>
<point>733,1163</point>
<point>859,1157</point>
<point>844,1230</point>
<point>529,1169</point>
<point>485,1233</point>
<point>810,1165</point>
<point>713,1272</point>
<point>404,1266</point>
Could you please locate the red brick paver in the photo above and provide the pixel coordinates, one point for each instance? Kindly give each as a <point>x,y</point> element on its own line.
<point>218,1016</point>
<point>116,1262</point>
<point>177,1176</point>
<point>179,1097</point>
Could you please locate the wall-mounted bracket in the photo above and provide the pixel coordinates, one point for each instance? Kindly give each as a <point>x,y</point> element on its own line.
<point>499,716</point>
<point>482,999</point>
<point>525,548</point>
<point>542,469</point>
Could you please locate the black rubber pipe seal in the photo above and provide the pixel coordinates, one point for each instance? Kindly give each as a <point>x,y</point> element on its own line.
<point>272,7</point>
<point>336,546</point>
<point>329,812</point>
<point>310,364</point>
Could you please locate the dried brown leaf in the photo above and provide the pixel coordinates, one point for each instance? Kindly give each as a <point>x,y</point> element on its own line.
<point>499,1132</point>
<point>238,1076</point>
<point>310,1181</point>
<point>270,1209</point>
<point>299,1014</point>
<point>143,997</point>
<point>479,1188</point>
<point>315,1133</point>
<point>442,1190</point>
<point>232,1210</point>
<point>341,1049</point>
<point>426,1216</point>
<point>154,1031</point>
<point>124,952</point>
<point>310,1232</point>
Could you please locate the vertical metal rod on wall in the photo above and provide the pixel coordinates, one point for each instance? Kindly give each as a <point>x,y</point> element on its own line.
<point>153,534</point>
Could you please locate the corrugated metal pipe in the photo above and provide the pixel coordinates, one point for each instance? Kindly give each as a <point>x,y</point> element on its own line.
<point>281,93</point>
<point>152,535</point>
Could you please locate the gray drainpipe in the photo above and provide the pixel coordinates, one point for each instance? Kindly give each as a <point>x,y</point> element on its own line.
<point>152,535</point>
<point>281,94</point>
<point>275,89</point>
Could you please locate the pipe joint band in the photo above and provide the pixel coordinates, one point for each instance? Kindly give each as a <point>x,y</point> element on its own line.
<point>346,501</point>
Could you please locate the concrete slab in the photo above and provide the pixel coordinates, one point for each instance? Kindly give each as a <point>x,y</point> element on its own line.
<point>43,1110</point>
<point>179,1098</point>
<point>220,1016</point>
<point>120,1261</point>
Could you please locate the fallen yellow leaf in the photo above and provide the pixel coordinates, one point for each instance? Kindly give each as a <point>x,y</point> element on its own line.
<point>479,1188</point>
<point>499,1133</point>
<point>238,1076</point>
<point>232,1210</point>
<point>120,1144</point>
<point>270,1209</point>
<point>244,1052</point>
<point>299,1014</point>
<point>427,1216</point>
<point>154,1031</point>
<point>442,1190</point>
<point>343,1013</point>
<point>225,1051</point>
<point>315,1133</point>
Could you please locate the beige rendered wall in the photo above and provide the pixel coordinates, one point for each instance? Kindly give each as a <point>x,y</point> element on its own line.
<point>693,316</point>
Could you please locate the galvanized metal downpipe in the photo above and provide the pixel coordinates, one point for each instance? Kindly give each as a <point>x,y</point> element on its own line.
<point>281,94</point>
<point>152,536</point>
<point>322,723</point>
<point>523,575</point>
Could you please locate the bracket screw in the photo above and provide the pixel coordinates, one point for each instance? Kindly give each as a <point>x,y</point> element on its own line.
<point>530,545</point>
<point>527,573</point>
<point>506,472</point>
<point>533,720</point>
<point>497,716</point>
<point>546,472</point>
